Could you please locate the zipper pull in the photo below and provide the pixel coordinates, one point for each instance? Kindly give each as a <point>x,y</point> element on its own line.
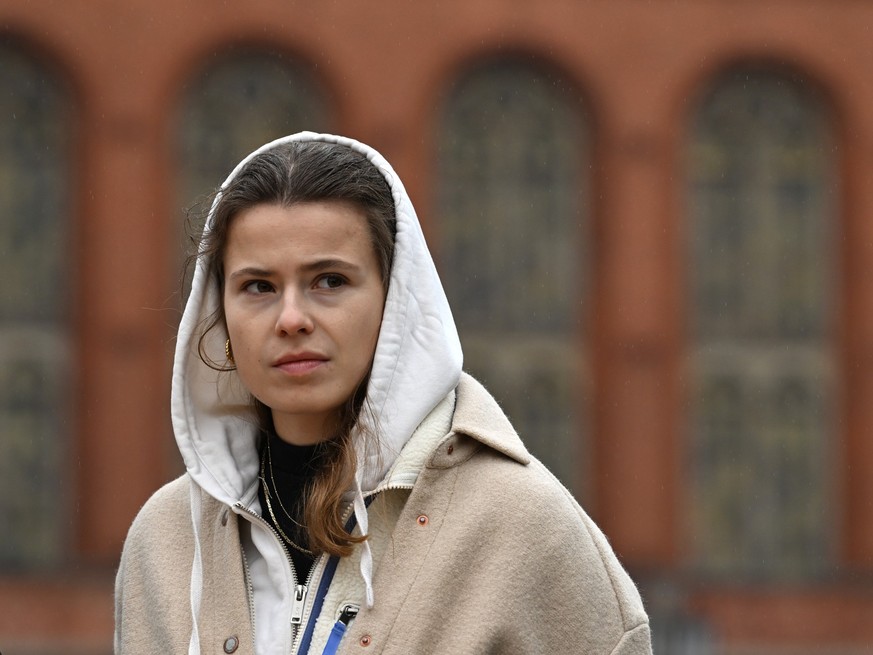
<point>348,613</point>
<point>297,604</point>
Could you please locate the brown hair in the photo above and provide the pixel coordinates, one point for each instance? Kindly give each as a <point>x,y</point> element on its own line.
<point>292,173</point>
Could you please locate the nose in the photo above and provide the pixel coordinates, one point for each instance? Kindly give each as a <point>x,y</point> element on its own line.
<point>294,315</point>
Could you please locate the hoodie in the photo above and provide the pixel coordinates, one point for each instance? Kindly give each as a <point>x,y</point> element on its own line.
<point>417,362</point>
<point>479,548</point>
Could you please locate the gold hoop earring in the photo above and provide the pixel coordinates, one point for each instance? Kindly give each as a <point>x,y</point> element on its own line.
<point>228,351</point>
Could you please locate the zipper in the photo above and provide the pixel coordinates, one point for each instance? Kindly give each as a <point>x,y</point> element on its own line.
<point>396,486</point>
<point>318,589</point>
<point>302,606</point>
<point>302,600</point>
<point>249,589</point>
<point>298,602</point>
<point>260,519</point>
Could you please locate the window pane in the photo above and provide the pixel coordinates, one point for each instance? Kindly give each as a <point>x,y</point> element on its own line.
<point>762,282</point>
<point>511,219</point>
<point>34,296</point>
<point>240,103</point>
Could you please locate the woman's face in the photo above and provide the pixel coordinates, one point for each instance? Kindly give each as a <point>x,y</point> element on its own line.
<point>303,302</point>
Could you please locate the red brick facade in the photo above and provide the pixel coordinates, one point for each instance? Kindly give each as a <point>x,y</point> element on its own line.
<point>386,66</point>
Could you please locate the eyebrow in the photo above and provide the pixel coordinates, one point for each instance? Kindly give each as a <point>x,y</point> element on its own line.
<point>250,271</point>
<point>313,267</point>
<point>327,264</point>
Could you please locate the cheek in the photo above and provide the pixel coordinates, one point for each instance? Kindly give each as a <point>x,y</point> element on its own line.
<point>243,340</point>
<point>247,363</point>
<point>362,331</point>
<point>237,322</point>
<point>373,326</point>
<point>229,317</point>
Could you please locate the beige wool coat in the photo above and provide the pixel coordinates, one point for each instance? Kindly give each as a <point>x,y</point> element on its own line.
<point>485,553</point>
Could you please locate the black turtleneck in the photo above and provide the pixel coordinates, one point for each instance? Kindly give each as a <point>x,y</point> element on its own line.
<point>292,469</point>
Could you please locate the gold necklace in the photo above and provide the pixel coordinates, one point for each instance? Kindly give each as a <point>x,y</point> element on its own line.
<point>276,489</point>
<point>281,532</point>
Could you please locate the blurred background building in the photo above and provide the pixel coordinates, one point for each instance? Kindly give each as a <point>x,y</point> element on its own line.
<point>654,220</point>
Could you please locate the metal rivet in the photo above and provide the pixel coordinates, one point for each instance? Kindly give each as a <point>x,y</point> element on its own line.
<point>224,517</point>
<point>231,644</point>
<point>422,519</point>
<point>366,641</point>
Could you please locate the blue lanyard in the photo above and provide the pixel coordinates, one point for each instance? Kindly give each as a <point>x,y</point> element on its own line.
<point>339,629</point>
<point>349,611</point>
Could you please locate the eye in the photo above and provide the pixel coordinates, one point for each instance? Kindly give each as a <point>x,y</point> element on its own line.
<point>257,287</point>
<point>330,281</point>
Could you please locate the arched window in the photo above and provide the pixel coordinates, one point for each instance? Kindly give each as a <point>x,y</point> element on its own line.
<point>513,234</point>
<point>761,177</point>
<point>239,103</point>
<point>35,265</point>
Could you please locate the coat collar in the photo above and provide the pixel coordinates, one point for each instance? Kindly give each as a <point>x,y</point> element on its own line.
<point>478,416</point>
<point>468,411</point>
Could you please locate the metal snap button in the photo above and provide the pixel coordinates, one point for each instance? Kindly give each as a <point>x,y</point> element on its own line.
<point>231,644</point>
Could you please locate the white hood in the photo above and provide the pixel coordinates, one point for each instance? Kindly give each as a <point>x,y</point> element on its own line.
<point>417,362</point>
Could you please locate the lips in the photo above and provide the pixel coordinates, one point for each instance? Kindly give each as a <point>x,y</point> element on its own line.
<point>300,363</point>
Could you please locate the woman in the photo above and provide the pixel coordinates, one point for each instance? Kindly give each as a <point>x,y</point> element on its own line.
<point>347,486</point>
